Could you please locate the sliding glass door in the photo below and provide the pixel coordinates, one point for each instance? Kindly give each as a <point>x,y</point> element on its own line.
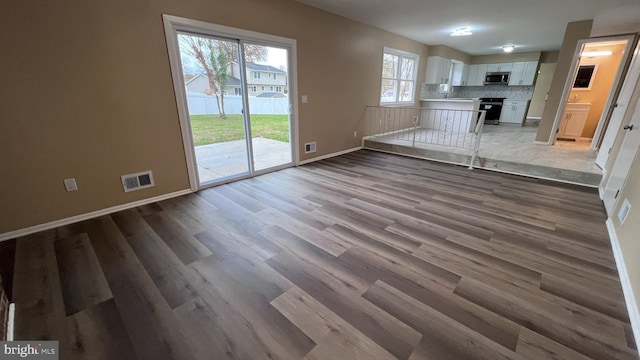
<point>269,107</point>
<point>236,96</point>
<point>218,125</point>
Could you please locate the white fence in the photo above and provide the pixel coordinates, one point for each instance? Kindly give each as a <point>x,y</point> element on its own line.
<point>201,104</point>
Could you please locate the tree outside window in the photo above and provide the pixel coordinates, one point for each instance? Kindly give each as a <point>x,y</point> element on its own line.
<point>399,71</point>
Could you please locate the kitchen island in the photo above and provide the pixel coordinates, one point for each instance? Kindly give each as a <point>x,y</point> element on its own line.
<point>453,114</point>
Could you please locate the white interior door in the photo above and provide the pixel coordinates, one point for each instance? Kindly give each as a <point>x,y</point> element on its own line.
<point>621,106</point>
<point>620,169</point>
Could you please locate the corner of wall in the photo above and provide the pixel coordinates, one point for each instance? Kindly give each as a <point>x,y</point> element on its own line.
<point>574,32</point>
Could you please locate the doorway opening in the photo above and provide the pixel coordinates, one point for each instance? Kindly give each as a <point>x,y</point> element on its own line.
<point>234,90</point>
<point>591,92</point>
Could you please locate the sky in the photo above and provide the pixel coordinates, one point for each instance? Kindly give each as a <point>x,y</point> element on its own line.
<point>276,57</point>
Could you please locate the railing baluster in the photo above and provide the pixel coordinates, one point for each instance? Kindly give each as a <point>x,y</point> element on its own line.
<point>419,127</point>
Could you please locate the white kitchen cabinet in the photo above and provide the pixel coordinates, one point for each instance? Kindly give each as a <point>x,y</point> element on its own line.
<point>476,75</point>
<point>438,70</point>
<point>523,73</point>
<point>573,120</point>
<point>502,67</point>
<point>514,111</point>
<point>459,74</point>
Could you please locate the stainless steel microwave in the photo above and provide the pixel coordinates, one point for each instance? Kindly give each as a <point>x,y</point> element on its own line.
<point>497,78</point>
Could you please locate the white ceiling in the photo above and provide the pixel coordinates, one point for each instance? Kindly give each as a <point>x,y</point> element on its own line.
<point>533,25</point>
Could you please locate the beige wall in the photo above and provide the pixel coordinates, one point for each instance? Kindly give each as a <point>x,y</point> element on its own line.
<point>87,93</point>
<point>616,17</point>
<point>549,57</point>
<point>627,234</point>
<point>540,91</point>
<point>449,53</point>
<point>607,68</point>
<point>505,58</point>
<point>575,31</point>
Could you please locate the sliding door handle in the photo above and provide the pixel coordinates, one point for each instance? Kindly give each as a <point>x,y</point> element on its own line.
<point>628,127</point>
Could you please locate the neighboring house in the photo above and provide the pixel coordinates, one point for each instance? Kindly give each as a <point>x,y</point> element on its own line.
<point>200,84</point>
<point>260,79</point>
<point>263,78</point>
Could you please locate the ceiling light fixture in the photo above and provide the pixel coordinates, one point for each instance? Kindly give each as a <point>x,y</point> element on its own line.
<point>508,48</point>
<point>464,31</point>
<point>596,53</point>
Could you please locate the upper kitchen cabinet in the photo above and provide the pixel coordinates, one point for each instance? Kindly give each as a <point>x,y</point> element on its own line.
<point>438,70</point>
<point>523,73</point>
<point>502,67</point>
<point>459,73</point>
<point>476,75</point>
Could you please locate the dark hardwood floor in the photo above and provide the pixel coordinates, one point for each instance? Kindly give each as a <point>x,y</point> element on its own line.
<point>363,256</point>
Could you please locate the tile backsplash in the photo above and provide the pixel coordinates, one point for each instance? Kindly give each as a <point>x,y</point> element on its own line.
<point>429,91</point>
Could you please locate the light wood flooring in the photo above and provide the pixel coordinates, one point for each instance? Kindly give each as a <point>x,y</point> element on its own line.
<point>362,256</point>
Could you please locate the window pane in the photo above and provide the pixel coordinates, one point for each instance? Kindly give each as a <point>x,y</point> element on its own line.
<point>406,90</point>
<point>388,92</point>
<point>389,66</point>
<point>407,69</point>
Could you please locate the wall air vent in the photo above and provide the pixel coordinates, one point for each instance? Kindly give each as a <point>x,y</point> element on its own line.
<point>137,181</point>
<point>310,147</point>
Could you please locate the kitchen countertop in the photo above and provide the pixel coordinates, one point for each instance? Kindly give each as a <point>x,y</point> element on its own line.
<point>453,99</point>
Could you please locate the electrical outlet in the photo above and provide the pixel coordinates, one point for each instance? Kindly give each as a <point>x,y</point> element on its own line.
<point>70,184</point>
<point>355,133</point>
<point>305,99</point>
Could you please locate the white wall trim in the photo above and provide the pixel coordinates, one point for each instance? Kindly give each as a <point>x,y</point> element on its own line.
<point>89,215</point>
<point>632,304</point>
<point>541,142</point>
<point>330,155</point>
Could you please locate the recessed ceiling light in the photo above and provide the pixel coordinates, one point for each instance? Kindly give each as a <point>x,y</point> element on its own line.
<point>464,31</point>
<point>508,48</point>
<point>596,53</point>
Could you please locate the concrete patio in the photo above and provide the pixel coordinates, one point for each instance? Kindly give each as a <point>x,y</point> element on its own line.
<point>222,160</point>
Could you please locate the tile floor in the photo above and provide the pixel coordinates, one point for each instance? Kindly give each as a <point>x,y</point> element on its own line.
<point>516,143</point>
<point>506,148</point>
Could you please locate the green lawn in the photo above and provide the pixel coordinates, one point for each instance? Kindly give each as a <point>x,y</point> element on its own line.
<point>210,129</point>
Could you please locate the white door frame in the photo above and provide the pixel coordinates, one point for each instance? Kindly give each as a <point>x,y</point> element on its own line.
<point>615,94</point>
<point>173,24</point>
<point>572,71</point>
<point>630,143</point>
<point>619,108</point>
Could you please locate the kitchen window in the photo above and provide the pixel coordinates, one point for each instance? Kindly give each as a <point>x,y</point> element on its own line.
<point>399,72</point>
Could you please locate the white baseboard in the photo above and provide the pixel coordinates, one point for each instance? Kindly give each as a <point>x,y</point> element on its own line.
<point>87,216</point>
<point>629,297</point>
<point>541,143</point>
<point>329,155</point>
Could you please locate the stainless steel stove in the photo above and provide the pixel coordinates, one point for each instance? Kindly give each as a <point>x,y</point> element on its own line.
<point>493,107</point>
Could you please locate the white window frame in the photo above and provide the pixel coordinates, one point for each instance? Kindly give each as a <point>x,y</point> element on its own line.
<point>174,24</point>
<point>397,76</point>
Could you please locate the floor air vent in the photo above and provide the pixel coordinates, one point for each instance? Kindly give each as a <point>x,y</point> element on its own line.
<point>137,181</point>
